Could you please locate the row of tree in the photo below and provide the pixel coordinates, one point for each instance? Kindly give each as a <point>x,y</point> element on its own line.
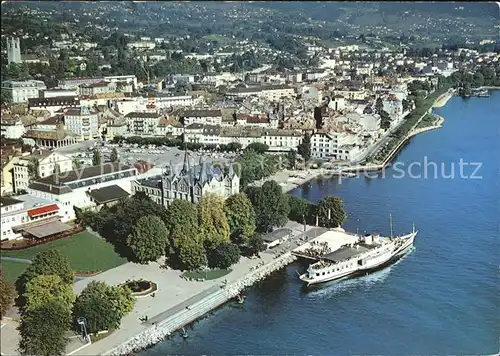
<point>190,236</point>
<point>213,233</point>
<point>49,307</point>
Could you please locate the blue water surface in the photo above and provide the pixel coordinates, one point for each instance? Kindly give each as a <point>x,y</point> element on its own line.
<point>441,299</point>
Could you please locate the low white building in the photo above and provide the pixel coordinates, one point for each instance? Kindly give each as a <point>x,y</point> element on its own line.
<point>72,189</point>
<point>12,130</point>
<point>24,211</point>
<point>46,161</point>
<point>21,91</point>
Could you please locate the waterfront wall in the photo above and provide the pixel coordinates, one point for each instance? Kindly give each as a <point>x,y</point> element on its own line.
<point>158,332</point>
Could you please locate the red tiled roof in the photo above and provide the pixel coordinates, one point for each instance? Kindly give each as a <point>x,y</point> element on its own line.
<point>43,210</point>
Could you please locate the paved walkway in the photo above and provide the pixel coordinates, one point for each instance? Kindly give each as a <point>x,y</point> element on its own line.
<point>15,259</point>
<point>174,293</point>
<point>9,337</point>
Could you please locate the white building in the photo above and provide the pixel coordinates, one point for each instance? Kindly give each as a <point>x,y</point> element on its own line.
<point>277,140</point>
<point>142,123</point>
<point>204,117</point>
<point>54,93</point>
<point>72,189</point>
<point>83,122</point>
<point>24,211</point>
<point>20,92</point>
<point>12,130</point>
<point>47,162</point>
<point>72,83</point>
<point>272,93</point>
<point>335,146</point>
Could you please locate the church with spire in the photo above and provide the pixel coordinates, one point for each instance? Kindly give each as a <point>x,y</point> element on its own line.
<point>189,181</point>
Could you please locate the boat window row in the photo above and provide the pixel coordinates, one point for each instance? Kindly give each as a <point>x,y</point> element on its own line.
<point>335,269</point>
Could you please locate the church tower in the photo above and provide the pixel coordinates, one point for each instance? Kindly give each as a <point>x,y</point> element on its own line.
<point>13,50</point>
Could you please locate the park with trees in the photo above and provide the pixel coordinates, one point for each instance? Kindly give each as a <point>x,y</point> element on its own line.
<point>50,310</point>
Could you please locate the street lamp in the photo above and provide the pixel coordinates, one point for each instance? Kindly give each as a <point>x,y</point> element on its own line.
<point>83,327</point>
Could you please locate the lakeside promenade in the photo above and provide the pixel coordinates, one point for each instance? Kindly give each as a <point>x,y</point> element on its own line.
<point>174,293</point>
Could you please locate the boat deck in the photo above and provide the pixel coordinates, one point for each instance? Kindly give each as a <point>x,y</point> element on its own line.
<point>347,252</point>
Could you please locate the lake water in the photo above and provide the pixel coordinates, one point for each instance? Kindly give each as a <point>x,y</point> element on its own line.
<point>442,298</point>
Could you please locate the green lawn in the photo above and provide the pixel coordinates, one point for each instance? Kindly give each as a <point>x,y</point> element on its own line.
<point>209,275</point>
<point>85,251</point>
<point>12,269</point>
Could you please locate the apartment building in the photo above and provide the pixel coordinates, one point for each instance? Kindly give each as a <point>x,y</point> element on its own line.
<point>335,146</point>
<point>21,91</point>
<point>142,123</point>
<point>83,122</point>
<point>203,117</point>
<point>45,166</point>
<point>271,93</point>
<point>277,140</point>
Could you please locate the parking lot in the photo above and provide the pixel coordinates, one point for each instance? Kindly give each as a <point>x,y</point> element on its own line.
<point>128,154</point>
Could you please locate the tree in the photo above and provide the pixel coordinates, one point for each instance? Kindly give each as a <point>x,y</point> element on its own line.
<point>76,163</point>
<point>379,105</point>
<point>181,222</point>
<point>114,155</point>
<point>34,169</point>
<point>271,206</point>
<point>330,212</point>
<point>7,293</point>
<point>212,220</point>
<point>42,329</point>
<point>304,148</point>
<point>192,255</point>
<point>257,147</point>
<point>256,244</point>
<point>241,217</point>
<point>300,209</point>
<point>292,159</point>
<point>45,288</point>
<point>96,158</point>
<point>148,238</point>
<point>103,306</point>
<point>223,255</point>
<point>234,146</point>
<point>50,262</point>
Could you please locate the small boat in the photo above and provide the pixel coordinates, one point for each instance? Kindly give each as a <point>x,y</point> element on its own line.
<point>241,299</point>
<point>184,333</point>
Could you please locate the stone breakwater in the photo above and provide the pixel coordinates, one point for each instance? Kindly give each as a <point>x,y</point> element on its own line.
<point>158,332</point>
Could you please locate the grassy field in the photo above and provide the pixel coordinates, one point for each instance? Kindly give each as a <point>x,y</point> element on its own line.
<point>85,251</point>
<point>12,269</point>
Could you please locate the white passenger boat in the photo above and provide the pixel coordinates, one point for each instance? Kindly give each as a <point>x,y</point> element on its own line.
<point>369,253</point>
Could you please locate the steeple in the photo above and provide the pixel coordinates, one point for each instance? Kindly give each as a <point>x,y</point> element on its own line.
<point>203,171</point>
<point>185,166</point>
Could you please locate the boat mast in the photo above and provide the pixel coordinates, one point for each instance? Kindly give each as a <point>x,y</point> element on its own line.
<point>413,227</point>
<point>390,221</point>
